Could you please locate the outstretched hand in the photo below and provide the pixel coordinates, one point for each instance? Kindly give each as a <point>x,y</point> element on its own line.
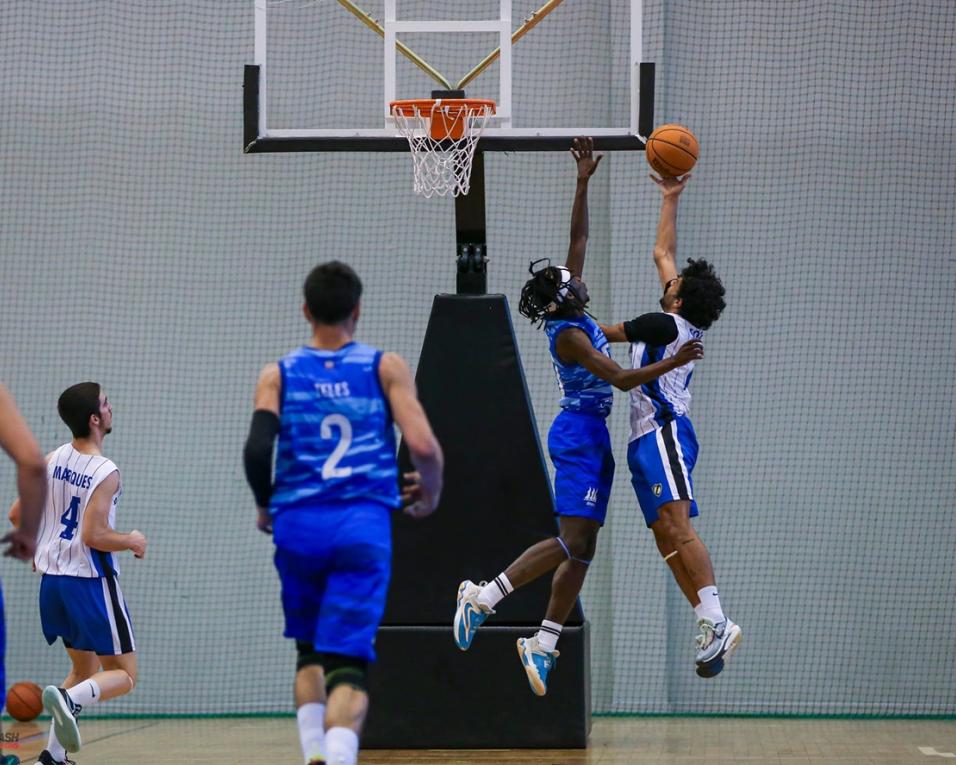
<point>671,186</point>
<point>582,149</point>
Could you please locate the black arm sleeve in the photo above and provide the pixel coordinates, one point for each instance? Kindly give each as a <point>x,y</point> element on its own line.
<point>258,454</point>
<point>652,328</point>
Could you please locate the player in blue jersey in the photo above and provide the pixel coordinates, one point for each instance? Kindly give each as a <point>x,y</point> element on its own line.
<point>578,442</point>
<point>18,442</point>
<point>332,404</point>
<point>663,446</point>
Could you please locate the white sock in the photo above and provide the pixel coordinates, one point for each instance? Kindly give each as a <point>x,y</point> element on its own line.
<point>548,635</point>
<point>85,693</point>
<point>709,607</point>
<point>54,747</point>
<point>341,746</point>
<point>311,719</point>
<point>495,591</point>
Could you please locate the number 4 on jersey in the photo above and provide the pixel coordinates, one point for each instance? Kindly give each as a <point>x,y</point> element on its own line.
<point>68,519</point>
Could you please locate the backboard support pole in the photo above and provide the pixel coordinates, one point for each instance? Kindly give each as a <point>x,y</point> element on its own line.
<point>470,234</point>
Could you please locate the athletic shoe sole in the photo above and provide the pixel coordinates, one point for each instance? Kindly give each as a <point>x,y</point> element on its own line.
<point>537,687</point>
<point>64,723</point>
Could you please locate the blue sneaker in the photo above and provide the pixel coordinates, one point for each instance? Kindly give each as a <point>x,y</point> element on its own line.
<point>469,613</point>
<point>537,663</point>
<point>715,644</point>
<point>61,708</point>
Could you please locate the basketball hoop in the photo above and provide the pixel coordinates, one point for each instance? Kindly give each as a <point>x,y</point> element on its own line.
<point>442,135</point>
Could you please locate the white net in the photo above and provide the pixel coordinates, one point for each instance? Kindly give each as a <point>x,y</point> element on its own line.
<point>441,139</point>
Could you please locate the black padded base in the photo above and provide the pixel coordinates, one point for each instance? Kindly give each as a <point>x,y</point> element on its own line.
<point>426,694</point>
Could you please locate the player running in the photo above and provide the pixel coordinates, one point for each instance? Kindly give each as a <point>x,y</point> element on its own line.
<point>80,596</point>
<point>663,446</point>
<point>332,404</point>
<point>578,442</point>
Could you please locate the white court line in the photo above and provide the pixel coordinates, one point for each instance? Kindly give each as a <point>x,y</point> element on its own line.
<point>931,752</point>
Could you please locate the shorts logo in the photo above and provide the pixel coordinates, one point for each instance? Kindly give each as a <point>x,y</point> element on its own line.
<point>590,497</point>
<point>657,489</point>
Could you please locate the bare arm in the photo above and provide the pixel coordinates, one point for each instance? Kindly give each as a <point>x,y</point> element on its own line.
<point>582,149</point>
<point>268,389</point>
<point>665,246</point>
<point>423,447</point>
<point>17,441</point>
<point>96,532</point>
<point>614,332</point>
<point>573,346</point>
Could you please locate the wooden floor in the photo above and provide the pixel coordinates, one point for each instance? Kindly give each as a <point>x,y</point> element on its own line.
<point>614,741</point>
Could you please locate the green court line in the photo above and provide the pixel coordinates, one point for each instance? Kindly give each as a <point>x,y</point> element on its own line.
<point>697,715</point>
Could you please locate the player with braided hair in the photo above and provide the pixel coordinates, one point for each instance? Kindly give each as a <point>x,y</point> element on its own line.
<point>578,442</point>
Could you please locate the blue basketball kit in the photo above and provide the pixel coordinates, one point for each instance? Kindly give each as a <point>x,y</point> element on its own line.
<point>336,485</point>
<point>663,447</point>
<point>579,442</point>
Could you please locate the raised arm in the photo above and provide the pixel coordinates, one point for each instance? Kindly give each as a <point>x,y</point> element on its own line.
<point>573,346</point>
<point>17,441</point>
<point>582,149</point>
<point>665,246</point>
<point>96,532</point>
<point>422,496</point>
<point>257,454</point>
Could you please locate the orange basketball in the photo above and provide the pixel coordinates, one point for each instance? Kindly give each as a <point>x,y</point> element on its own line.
<point>24,701</point>
<point>672,150</point>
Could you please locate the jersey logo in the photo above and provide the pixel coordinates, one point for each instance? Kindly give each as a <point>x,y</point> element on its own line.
<point>657,489</point>
<point>590,496</point>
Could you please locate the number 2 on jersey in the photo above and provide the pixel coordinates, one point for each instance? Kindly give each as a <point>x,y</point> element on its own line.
<point>68,519</point>
<point>331,469</point>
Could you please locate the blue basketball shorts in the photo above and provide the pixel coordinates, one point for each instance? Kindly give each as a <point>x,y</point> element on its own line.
<point>89,614</point>
<point>334,564</point>
<point>580,448</point>
<point>661,464</point>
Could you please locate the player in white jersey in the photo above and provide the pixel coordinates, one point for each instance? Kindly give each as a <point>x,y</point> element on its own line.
<point>80,596</point>
<point>663,446</point>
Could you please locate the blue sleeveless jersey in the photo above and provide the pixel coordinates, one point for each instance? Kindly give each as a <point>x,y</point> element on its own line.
<point>336,440</point>
<point>581,391</point>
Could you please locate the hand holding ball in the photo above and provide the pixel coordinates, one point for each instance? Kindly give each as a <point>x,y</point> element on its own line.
<point>672,150</point>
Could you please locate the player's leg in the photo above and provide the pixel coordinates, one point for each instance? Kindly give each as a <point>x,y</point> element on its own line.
<point>310,698</point>
<point>302,576</point>
<point>83,665</point>
<point>352,608</point>
<point>662,463</point>
<point>578,464</point>
<point>582,499</point>
<point>92,617</point>
<point>676,565</point>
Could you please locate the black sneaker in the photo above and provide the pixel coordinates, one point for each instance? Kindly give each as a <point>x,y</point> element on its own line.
<point>46,758</point>
<point>60,706</point>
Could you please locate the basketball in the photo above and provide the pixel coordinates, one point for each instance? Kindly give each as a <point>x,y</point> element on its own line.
<point>24,701</point>
<point>672,150</point>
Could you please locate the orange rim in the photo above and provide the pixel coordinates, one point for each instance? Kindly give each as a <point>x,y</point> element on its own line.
<point>444,122</point>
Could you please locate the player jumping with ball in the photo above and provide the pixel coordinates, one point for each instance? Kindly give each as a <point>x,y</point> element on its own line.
<point>663,446</point>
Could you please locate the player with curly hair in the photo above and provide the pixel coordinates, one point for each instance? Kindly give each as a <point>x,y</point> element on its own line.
<point>556,297</point>
<point>663,446</point>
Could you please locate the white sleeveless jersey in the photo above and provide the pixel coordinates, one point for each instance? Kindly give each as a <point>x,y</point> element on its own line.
<point>72,478</point>
<point>660,401</point>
